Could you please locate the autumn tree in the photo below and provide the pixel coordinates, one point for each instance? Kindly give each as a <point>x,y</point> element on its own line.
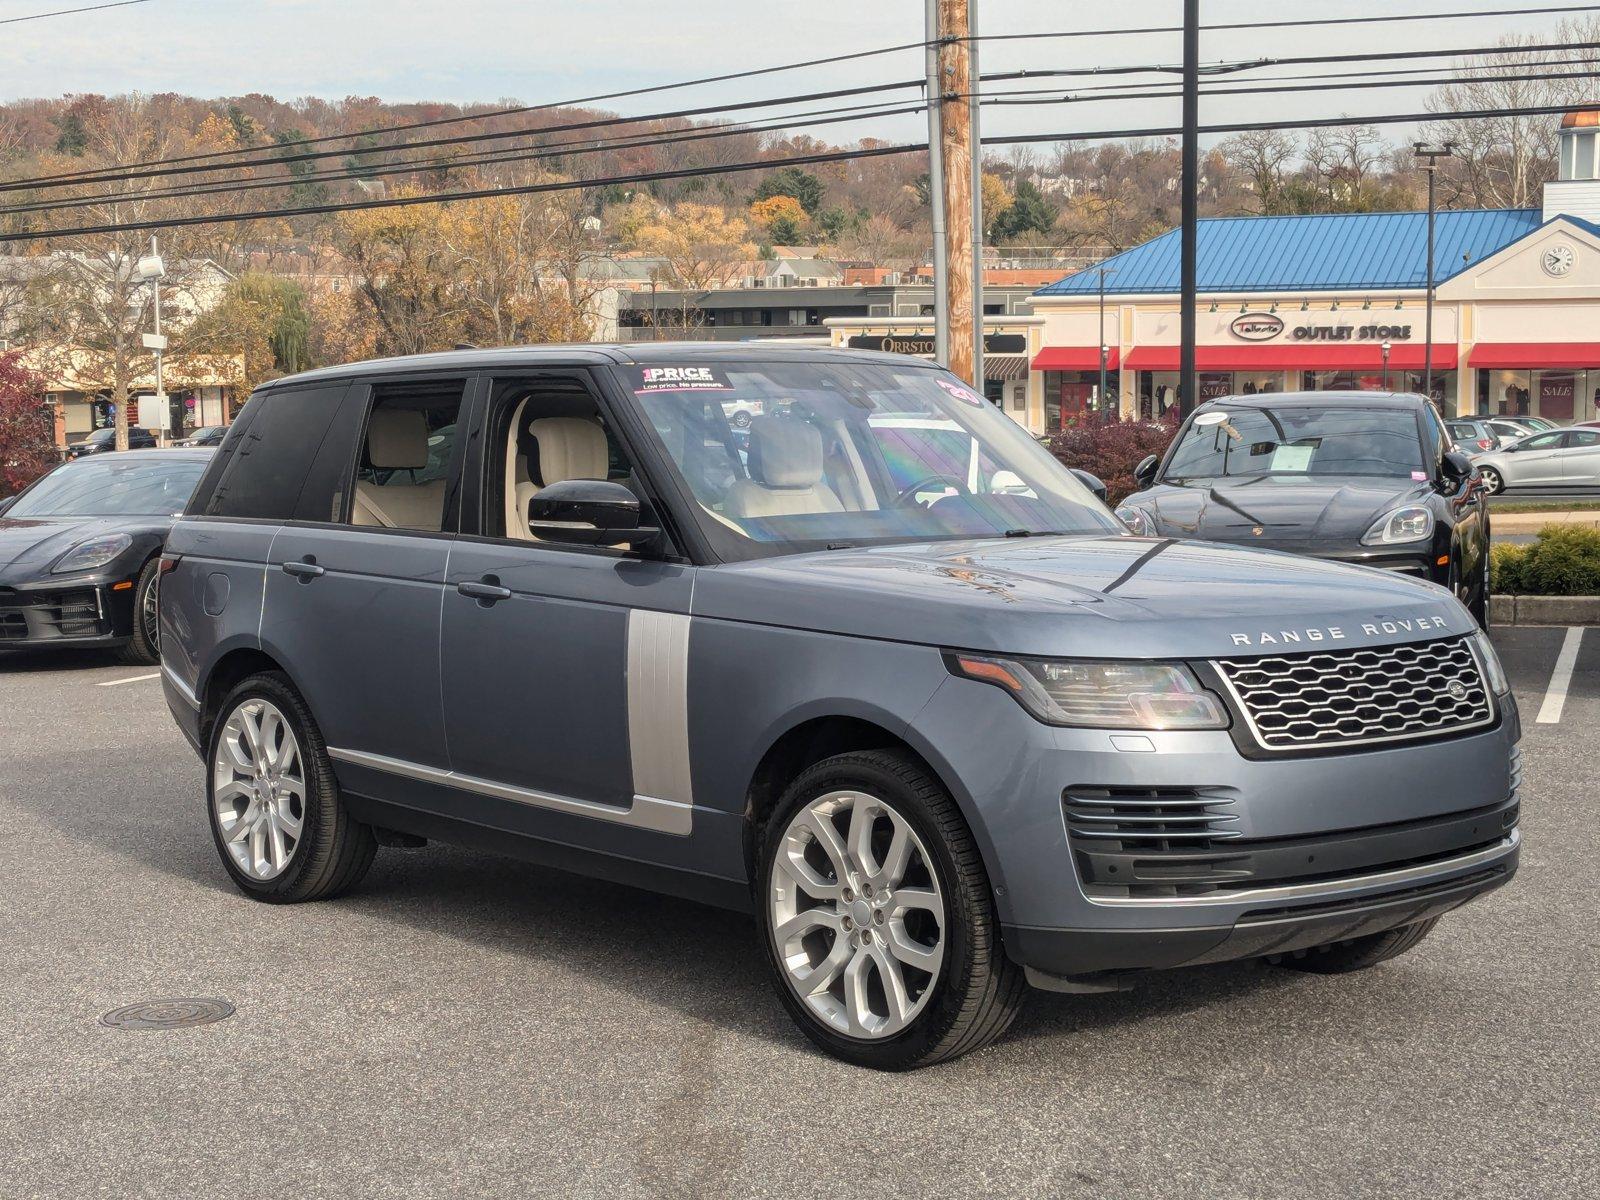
<point>409,278</point>
<point>703,248</point>
<point>997,201</point>
<point>792,181</point>
<point>265,321</point>
<point>27,433</point>
<point>1028,219</point>
<point>780,217</point>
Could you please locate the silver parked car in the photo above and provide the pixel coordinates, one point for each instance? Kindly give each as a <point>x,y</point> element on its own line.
<point>1557,458</point>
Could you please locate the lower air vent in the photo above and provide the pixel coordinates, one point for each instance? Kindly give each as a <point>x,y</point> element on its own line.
<point>1154,841</point>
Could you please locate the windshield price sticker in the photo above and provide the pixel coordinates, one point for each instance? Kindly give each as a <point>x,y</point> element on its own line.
<point>960,391</point>
<point>681,379</point>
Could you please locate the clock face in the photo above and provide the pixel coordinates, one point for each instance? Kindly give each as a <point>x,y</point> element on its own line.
<point>1558,260</point>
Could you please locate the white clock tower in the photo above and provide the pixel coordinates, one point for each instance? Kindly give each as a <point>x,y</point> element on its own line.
<point>1577,192</point>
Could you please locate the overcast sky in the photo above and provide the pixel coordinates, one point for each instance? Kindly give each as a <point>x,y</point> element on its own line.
<point>537,51</point>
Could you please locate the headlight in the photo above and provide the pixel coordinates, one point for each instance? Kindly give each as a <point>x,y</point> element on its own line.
<point>1099,695</point>
<point>96,552</point>
<point>1409,524</point>
<point>1137,520</point>
<point>1493,673</point>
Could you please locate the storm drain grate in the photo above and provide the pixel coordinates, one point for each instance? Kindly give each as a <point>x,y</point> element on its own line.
<point>168,1014</point>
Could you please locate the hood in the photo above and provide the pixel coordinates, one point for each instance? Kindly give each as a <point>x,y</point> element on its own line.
<point>28,545</point>
<point>1085,596</point>
<point>1289,510</point>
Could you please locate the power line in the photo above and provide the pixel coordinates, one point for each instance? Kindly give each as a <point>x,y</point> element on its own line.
<point>67,12</point>
<point>1296,23</point>
<point>767,164</point>
<point>279,157</point>
<point>515,155</point>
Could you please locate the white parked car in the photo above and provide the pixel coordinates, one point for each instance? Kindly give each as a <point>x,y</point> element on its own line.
<point>1557,458</point>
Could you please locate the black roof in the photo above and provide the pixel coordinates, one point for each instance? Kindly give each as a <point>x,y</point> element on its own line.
<point>506,358</point>
<point>1405,400</point>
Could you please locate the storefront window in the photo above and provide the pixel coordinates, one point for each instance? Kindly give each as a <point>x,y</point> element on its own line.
<point>1158,390</point>
<point>1562,396</point>
<point>1444,384</point>
<point>1070,397</point>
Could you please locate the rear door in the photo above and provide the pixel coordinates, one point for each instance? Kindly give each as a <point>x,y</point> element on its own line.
<point>353,585</point>
<point>1580,458</point>
<point>564,667</point>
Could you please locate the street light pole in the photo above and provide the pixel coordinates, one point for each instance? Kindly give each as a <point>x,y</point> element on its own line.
<point>1105,350</point>
<point>1433,154</point>
<point>1386,348</point>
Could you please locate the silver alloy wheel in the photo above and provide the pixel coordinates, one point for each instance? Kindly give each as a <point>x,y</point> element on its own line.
<point>258,789</point>
<point>1492,480</point>
<point>858,918</point>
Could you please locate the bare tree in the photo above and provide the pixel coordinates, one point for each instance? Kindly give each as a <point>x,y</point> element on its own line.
<point>1263,161</point>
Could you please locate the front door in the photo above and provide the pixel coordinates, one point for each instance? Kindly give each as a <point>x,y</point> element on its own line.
<point>1580,458</point>
<point>564,668</point>
<point>1536,461</point>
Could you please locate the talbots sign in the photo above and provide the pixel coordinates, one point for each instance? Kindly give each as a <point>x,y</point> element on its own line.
<point>1257,327</point>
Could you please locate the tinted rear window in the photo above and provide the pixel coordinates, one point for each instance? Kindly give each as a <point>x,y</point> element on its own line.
<point>263,462</point>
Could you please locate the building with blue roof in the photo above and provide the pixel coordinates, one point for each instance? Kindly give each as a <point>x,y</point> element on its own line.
<point>1338,301</point>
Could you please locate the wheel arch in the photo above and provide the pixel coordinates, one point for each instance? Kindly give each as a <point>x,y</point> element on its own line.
<point>230,669</point>
<point>815,737</point>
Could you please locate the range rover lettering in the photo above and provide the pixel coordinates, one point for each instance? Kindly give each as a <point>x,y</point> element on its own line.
<point>876,669</point>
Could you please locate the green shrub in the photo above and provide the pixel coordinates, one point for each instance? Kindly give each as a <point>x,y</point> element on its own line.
<point>1505,568</point>
<point>1564,561</point>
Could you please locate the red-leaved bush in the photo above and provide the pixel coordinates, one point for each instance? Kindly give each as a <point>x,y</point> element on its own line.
<point>27,432</point>
<point>1112,450</point>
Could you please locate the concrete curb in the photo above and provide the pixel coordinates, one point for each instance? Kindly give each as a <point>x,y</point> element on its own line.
<point>1515,522</point>
<point>1544,610</point>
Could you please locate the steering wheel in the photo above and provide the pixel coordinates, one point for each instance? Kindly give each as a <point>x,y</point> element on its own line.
<point>907,493</point>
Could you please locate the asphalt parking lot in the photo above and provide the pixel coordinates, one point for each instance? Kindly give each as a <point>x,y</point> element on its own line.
<point>468,1025</point>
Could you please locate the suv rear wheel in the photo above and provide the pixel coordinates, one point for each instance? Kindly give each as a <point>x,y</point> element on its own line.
<point>1358,954</point>
<point>878,917</point>
<point>279,822</point>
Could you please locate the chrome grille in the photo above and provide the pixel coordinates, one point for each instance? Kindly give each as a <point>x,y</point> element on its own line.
<point>1350,697</point>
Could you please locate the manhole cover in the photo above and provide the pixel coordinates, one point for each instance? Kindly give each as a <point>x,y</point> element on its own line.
<point>168,1014</point>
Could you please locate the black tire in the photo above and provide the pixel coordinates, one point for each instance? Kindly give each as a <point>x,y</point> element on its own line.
<point>979,991</point>
<point>1493,482</point>
<point>335,850</point>
<point>144,647</point>
<point>1479,608</point>
<point>1357,954</point>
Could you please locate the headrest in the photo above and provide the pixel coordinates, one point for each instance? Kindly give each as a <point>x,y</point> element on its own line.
<point>397,439</point>
<point>785,452</point>
<point>570,448</point>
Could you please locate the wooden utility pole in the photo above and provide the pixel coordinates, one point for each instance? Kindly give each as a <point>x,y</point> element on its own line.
<point>956,159</point>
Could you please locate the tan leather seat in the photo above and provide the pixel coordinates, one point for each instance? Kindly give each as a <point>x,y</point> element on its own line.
<point>569,448</point>
<point>397,440</point>
<point>785,465</point>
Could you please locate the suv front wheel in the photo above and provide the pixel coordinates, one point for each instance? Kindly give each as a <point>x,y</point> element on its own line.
<point>878,917</point>
<point>279,822</point>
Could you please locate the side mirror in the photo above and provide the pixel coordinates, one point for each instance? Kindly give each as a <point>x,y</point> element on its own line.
<point>1455,466</point>
<point>1145,473</point>
<point>587,512</point>
<point>1092,482</point>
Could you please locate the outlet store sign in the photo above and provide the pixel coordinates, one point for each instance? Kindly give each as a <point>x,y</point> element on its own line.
<point>1269,327</point>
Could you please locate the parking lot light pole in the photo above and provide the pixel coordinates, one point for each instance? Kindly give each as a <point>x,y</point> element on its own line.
<point>1432,154</point>
<point>1105,350</point>
<point>1386,348</point>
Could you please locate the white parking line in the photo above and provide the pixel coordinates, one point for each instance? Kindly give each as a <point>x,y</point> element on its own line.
<point>1555,699</point>
<point>130,679</point>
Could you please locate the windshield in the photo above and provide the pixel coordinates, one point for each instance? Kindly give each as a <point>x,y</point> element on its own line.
<point>96,488</point>
<point>845,454</point>
<point>1300,442</point>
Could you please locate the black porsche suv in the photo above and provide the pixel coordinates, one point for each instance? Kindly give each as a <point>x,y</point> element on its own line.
<point>1369,478</point>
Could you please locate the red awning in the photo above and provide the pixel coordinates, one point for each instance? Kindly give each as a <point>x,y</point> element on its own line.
<point>1572,356</point>
<point>1295,356</point>
<point>1074,358</point>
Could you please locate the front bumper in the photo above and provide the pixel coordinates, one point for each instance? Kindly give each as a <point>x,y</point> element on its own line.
<point>70,613</point>
<point>1404,831</point>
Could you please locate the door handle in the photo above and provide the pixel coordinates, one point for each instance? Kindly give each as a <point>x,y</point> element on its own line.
<point>305,569</point>
<point>486,589</point>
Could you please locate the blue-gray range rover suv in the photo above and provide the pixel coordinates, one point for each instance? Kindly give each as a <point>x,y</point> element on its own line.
<point>865,661</point>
